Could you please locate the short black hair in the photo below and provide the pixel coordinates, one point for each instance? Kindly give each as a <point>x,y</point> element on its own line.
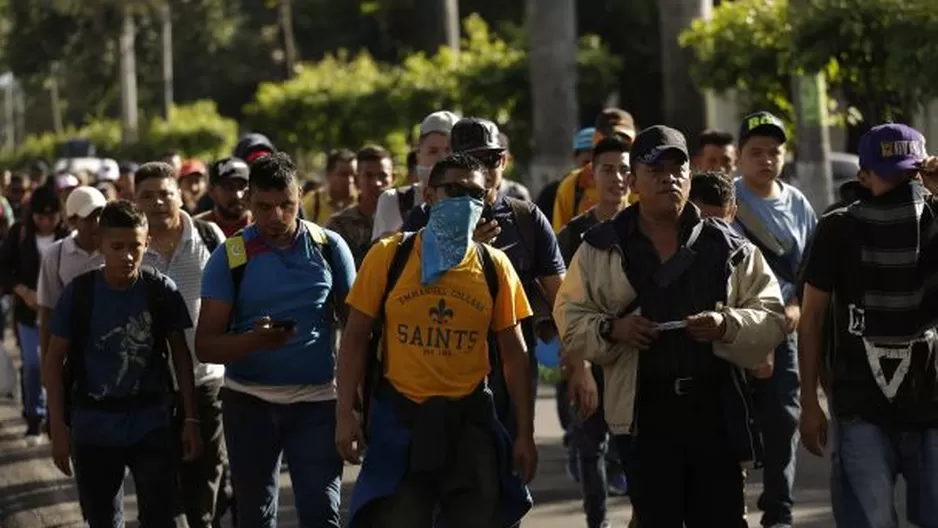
<point>454,161</point>
<point>334,157</point>
<point>154,169</point>
<point>718,138</point>
<point>712,188</point>
<point>122,214</point>
<point>273,172</point>
<point>609,144</point>
<point>372,153</point>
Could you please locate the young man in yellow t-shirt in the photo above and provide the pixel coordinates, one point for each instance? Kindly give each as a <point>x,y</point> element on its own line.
<point>434,439</point>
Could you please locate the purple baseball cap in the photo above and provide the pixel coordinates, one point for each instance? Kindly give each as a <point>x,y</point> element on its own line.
<point>891,150</point>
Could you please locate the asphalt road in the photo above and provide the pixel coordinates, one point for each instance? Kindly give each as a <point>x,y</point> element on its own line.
<point>33,494</point>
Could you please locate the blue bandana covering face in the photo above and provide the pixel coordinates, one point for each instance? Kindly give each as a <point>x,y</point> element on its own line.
<point>447,237</point>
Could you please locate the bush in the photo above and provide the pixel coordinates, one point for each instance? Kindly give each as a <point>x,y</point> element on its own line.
<point>344,101</point>
<point>195,130</point>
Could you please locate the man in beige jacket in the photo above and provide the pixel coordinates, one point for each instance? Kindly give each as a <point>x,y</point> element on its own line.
<point>679,305</point>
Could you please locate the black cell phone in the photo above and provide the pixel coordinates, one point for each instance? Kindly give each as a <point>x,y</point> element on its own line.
<point>487,213</point>
<point>286,324</point>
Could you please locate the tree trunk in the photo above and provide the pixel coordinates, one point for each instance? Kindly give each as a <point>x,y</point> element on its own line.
<point>285,17</point>
<point>167,35</point>
<point>128,73</point>
<point>438,24</point>
<point>812,154</point>
<point>55,100</point>
<point>685,106</point>
<point>552,27</point>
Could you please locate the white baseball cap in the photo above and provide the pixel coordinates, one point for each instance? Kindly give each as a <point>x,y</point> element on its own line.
<point>441,122</point>
<point>83,201</point>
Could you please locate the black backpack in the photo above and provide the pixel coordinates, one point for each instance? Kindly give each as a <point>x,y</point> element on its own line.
<point>405,200</point>
<point>375,366</point>
<point>74,374</point>
<point>208,235</point>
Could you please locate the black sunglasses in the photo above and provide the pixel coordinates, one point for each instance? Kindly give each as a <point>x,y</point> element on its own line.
<point>457,190</point>
<point>489,159</point>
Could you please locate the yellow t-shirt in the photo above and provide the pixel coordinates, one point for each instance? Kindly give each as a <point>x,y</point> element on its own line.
<point>435,336</point>
<point>564,208</point>
<point>318,207</point>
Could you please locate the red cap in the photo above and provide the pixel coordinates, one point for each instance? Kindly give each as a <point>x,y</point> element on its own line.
<point>192,167</point>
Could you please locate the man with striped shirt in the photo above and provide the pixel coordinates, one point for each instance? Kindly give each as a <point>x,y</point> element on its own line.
<point>179,248</point>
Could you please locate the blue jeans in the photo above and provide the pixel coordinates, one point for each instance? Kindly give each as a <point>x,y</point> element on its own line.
<point>591,441</point>
<point>258,433</point>
<point>866,460</point>
<point>778,411</point>
<point>34,396</point>
<point>99,474</point>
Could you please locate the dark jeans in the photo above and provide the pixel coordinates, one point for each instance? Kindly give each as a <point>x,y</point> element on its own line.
<point>563,411</point>
<point>99,475</point>
<point>590,440</point>
<point>680,468</point>
<point>779,411</point>
<point>258,433</point>
<point>201,478</point>
<point>466,494</point>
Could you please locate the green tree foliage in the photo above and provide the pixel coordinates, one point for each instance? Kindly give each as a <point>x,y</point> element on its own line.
<point>874,52</point>
<point>195,130</point>
<point>351,100</point>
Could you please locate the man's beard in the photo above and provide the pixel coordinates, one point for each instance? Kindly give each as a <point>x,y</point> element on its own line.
<point>232,213</point>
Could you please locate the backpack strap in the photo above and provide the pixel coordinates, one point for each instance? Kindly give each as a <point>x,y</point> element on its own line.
<point>488,268</point>
<point>80,321</point>
<point>375,363</point>
<point>206,233</point>
<point>578,192</point>
<point>237,255</point>
<point>158,306</point>
<point>523,213</point>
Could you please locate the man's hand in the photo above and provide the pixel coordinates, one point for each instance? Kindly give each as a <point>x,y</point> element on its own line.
<point>191,441</point>
<point>270,338</point>
<point>349,440</point>
<point>581,386</point>
<point>792,317</point>
<point>707,326</point>
<point>813,426</point>
<point>61,447</point>
<point>634,331</point>
<point>524,454</point>
<point>486,231</point>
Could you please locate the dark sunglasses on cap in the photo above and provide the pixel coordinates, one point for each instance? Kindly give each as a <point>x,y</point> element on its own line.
<point>456,190</point>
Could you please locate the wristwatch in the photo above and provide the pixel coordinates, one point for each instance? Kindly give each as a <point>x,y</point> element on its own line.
<point>605,329</point>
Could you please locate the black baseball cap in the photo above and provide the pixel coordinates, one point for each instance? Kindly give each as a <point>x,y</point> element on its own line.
<point>653,142</point>
<point>762,124</point>
<point>226,169</point>
<point>474,134</point>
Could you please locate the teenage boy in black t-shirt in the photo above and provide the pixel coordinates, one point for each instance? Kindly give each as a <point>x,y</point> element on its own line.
<point>877,260</point>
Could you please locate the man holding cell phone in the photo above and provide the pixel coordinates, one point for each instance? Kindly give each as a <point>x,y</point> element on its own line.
<point>678,305</point>
<point>272,297</point>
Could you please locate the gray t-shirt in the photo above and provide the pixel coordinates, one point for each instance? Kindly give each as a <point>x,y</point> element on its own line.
<point>63,261</point>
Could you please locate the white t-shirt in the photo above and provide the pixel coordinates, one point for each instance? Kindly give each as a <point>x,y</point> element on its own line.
<point>43,243</point>
<point>388,214</point>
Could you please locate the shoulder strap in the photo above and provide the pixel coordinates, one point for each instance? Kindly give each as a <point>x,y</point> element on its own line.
<point>82,306</point>
<point>321,241</point>
<point>524,217</point>
<point>757,231</point>
<point>405,201</point>
<point>578,192</point>
<point>237,261</point>
<point>58,266</point>
<point>206,233</point>
<point>374,362</point>
<point>488,268</point>
<point>158,306</point>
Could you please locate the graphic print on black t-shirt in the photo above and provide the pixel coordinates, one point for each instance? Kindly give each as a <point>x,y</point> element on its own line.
<point>895,382</point>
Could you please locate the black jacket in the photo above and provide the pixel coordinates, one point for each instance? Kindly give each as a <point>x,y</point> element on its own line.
<point>19,264</point>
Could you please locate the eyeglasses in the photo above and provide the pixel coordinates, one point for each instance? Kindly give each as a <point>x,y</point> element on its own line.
<point>457,190</point>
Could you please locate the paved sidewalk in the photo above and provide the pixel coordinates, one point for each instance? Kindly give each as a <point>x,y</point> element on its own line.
<point>34,494</point>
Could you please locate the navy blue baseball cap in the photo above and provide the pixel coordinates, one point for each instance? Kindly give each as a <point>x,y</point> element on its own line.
<point>891,150</point>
